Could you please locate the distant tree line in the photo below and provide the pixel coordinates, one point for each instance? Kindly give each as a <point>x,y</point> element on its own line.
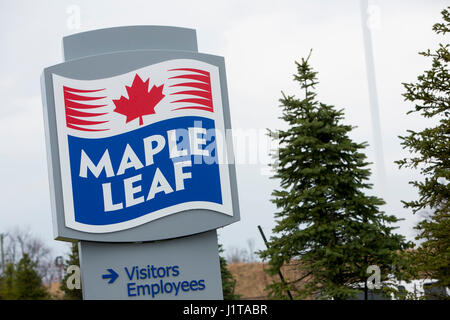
<point>27,265</point>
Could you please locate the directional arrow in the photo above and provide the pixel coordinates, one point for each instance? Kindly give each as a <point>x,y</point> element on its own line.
<point>112,275</point>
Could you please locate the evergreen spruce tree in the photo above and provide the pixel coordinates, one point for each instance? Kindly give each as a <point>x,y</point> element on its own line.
<point>326,225</point>
<point>228,282</point>
<point>74,259</point>
<point>431,154</point>
<point>27,282</point>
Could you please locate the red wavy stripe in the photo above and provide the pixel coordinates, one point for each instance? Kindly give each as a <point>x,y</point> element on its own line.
<point>76,105</point>
<point>197,85</point>
<point>72,96</point>
<point>79,90</point>
<point>206,73</point>
<point>198,77</point>
<point>76,113</point>
<point>210,109</point>
<point>72,120</point>
<point>83,129</point>
<point>72,106</point>
<point>197,93</point>
<point>204,102</point>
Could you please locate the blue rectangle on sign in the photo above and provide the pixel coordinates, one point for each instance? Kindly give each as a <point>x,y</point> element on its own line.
<point>133,174</point>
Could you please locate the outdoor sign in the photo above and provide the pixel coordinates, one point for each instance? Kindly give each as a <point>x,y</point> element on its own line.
<point>182,268</point>
<point>136,137</point>
<point>141,145</point>
<point>135,122</point>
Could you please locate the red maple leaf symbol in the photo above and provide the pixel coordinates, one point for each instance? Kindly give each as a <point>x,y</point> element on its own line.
<point>140,101</point>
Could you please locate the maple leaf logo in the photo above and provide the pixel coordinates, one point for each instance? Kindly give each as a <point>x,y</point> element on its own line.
<point>140,101</point>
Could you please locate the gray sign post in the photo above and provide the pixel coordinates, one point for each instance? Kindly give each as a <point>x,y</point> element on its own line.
<point>182,268</point>
<point>139,171</point>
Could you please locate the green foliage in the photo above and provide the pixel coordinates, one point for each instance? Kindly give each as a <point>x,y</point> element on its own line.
<point>74,259</point>
<point>430,150</point>
<point>27,282</point>
<point>326,224</point>
<point>22,282</point>
<point>228,282</point>
<point>7,283</point>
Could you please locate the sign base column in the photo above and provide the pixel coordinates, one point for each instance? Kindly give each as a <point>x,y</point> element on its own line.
<point>181,268</point>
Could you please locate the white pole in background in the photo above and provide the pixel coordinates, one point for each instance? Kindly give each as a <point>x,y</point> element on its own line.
<point>369,20</point>
<point>2,253</point>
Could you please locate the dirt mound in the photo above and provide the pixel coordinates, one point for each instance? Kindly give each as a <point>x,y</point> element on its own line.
<point>251,280</point>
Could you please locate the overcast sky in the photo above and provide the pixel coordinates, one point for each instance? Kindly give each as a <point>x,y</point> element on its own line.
<point>260,41</point>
